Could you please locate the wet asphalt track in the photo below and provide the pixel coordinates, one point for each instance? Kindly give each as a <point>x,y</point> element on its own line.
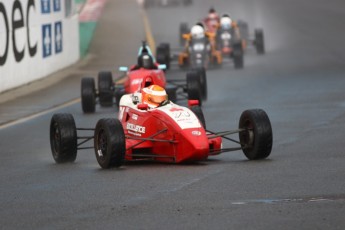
<point>299,83</point>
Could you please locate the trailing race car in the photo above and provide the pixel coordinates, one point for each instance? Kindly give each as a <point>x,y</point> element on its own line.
<point>199,50</point>
<point>194,87</point>
<point>165,132</point>
<point>257,40</point>
<point>229,41</point>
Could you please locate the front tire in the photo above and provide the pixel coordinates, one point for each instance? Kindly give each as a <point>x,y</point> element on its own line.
<point>199,114</point>
<point>257,138</point>
<point>109,143</point>
<point>63,138</point>
<point>193,87</point>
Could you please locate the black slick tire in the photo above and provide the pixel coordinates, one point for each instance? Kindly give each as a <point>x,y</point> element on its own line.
<point>63,138</point>
<point>163,54</point>
<point>193,86</point>
<point>171,91</point>
<point>238,54</point>
<point>109,143</point>
<point>199,114</point>
<point>105,88</point>
<point>118,94</point>
<point>203,82</point>
<point>88,95</point>
<point>184,29</point>
<point>257,138</point>
<point>259,41</point>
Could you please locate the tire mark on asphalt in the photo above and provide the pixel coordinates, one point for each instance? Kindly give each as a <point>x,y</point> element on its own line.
<point>316,199</point>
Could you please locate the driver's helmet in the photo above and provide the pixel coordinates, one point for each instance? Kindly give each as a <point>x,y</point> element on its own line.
<point>225,22</point>
<point>146,61</point>
<point>153,95</point>
<point>197,32</point>
<point>212,14</point>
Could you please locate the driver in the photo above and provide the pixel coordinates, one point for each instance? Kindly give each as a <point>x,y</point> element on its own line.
<point>226,22</point>
<point>226,25</point>
<point>197,31</point>
<point>212,20</point>
<point>145,61</point>
<point>154,96</point>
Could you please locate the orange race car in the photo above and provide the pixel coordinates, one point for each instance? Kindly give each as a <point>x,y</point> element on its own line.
<point>199,50</point>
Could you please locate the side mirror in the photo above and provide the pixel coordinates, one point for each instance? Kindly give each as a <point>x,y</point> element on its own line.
<point>123,69</point>
<point>162,66</point>
<point>143,106</point>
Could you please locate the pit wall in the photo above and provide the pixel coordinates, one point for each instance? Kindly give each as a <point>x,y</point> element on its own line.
<point>37,38</point>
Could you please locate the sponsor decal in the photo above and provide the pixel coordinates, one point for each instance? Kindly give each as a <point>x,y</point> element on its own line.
<point>17,18</point>
<point>135,117</point>
<point>45,6</point>
<point>58,37</point>
<point>135,128</point>
<point>183,117</point>
<point>47,40</point>
<point>136,81</point>
<point>175,109</point>
<point>52,34</point>
<point>196,133</point>
<point>57,5</point>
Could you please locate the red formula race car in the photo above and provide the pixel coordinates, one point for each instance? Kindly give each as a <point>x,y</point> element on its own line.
<point>132,79</point>
<point>167,133</point>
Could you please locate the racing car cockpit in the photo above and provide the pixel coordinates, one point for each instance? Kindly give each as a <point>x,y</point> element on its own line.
<point>150,96</point>
<point>145,61</point>
<point>145,58</point>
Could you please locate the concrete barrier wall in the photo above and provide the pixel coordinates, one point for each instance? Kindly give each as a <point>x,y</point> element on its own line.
<point>37,38</point>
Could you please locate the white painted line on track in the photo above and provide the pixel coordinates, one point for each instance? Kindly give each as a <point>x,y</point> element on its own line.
<point>148,32</point>
<point>35,115</point>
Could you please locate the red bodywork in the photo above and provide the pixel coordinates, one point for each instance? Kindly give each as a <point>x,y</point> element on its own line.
<point>134,78</point>
<point>170,133</point>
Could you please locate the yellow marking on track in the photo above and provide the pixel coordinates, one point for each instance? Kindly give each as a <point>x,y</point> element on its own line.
<point>149,37</point>
<point>35,115</point>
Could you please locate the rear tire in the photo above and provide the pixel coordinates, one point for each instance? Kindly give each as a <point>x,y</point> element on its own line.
<point>88,95</point>
<point>63,138</point>
<point>193,87</point>
<point>171,91</point>
<point>238,54</point>
<point>259,41</point>
<point>199,114</point>
<point>163,54</point>
<point>118,94</point>
<point>105,88</point>
<point>257,139</point>
<point>183,30</point>
<point>244,29</point>
<point>109,143</point>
